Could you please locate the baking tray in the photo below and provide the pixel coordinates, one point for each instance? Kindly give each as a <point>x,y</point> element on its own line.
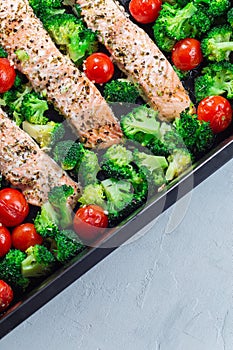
<point>63,277</point>
<point>220,154</point>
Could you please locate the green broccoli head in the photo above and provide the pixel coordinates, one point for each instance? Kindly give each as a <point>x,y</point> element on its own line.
<point>93,194</point>
<point>45,135</point>
<point>46,221</point>
<point>67,246</point>
<point>119,194</point>
<point>121,90</point>
<point>215,8</point>
<point>39,262</point>
<point>87,168</point>
<point>118,154</point>
<point>179,161</point>
<point>230,16</point>
<point>153,167</point>
<point>71,35</point>
<point>39,5</point>
<point>58,197</point>
<point>197,135</point>
<point>176,21</point>
<point>218,43</point>
<point>68,153</point>
<point>141,121</point>
<point>13,100</point>
<point>10,270</point>
<point>163,41</point>
<point>216,79</point>
<point>33,108</point>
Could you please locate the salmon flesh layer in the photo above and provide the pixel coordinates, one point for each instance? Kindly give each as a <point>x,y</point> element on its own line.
<point>27,167</point>
<point>137,56</point>
<point>53,74</point>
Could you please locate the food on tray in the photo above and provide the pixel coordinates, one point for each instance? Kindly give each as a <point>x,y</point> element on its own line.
<point>80,165</point>
<point>53,75</point>
<point>137,56</point>
<point>27,167</point>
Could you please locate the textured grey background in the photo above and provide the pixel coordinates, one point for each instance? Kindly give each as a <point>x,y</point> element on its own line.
<point>162,291</point>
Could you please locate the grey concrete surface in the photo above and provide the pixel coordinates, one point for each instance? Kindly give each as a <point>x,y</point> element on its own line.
<point>165,290</point>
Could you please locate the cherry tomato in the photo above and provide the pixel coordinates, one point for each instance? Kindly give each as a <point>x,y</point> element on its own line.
<point>145,11</point>
<point>99,68</point>
<point>187,54</point>
<point>6,295</point>
<point>25,236</point>
<point>216,110</point>
<point>89,222</point>
<point>5,240</point>
<point>7,75</point>
<point>13,207</point>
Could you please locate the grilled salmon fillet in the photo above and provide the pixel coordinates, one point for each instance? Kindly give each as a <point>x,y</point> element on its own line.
<point>27,167</point>
<point>53,74</point>
<point>137,56</point>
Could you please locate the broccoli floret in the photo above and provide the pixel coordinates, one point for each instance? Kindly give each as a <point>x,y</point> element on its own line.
<point>119,155</point>
<point>152,166</point>
<point>216,79</point>
<point>10,270</point>
<point>215,8</point>
<point>179,161</point>
<point>121,90</point>
<point>163,41</point>
<point>141,122</point>
<point>67,153</point>
<point>57,197</point>
<point>13,100</point>
<point>218,43</point>
<point>93,194</point>
<point>45,135</point>
<point>39,5</point>
<point>47,221</point>
<point>119,195</point>
<point>201,21</point>
<point>230,17</point>
<point>176,21</point>
<point>197,135</point>
<point>71,35</point>
<point>39,262</point>
<point>33,108</point>
<point>66,246</point>
<point>3,53</point>
<point>87,167</point>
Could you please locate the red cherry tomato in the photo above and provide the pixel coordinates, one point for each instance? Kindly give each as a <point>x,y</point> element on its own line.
<point>99,68</point>
<point>7,75</point>
<point>145,11</point>
<point>5,240</point>
<point>25,236</point>
<point>216,110</point>
<point>90,222</point>
<point>13,207</point>
<point>6,295</point>
<point>187,54</point>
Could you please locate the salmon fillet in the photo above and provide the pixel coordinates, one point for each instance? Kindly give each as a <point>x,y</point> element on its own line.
<point>27,167</point>
<point>137,56</point>
<point>53,74</point>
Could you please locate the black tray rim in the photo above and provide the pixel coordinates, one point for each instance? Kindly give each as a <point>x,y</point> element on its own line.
<point>64,277</point>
